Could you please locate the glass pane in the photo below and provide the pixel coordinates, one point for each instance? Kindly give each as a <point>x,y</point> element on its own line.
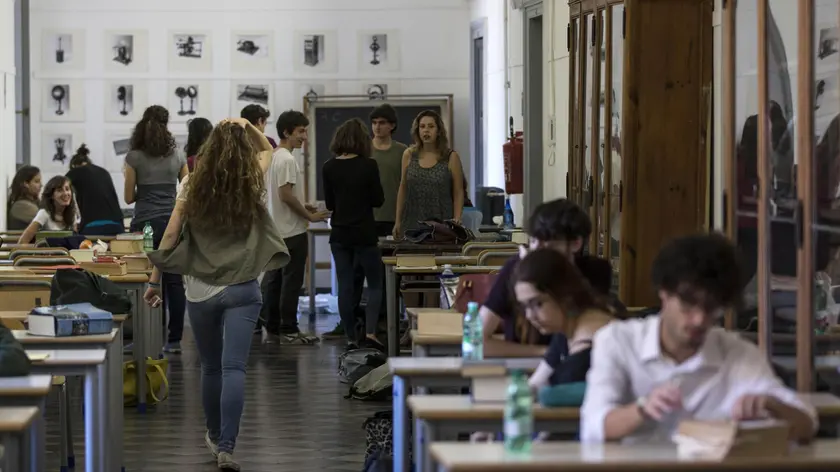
<point>602,120</point>
<point>617,52</point>
<point>587,114</point>
<point>574,140</point>
<point>826,177</point>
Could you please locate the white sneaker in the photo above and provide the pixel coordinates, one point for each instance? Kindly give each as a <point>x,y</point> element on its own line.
<point>214,448</point>
<point>226,462</point>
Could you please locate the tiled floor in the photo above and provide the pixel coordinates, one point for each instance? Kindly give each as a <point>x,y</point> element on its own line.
<point>295,419</point>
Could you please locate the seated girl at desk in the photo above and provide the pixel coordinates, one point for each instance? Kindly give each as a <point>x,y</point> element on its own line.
<point>57,207</point>
<point>558,300</point>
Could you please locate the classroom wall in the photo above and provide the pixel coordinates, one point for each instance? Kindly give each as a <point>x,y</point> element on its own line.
<point>7,101</point>
<point>555,89</point>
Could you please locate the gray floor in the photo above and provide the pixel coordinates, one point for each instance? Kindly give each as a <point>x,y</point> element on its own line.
<point>295,419</point>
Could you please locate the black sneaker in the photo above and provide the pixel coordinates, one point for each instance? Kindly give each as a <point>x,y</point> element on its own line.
<point>351,347</point>
<point>373,344</point>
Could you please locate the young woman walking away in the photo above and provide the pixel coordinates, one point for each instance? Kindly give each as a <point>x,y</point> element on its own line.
<point>153,169</point>
<point>432,184</point>
<point>96,196</point>
<point>24,194</point>
<point>199,130</point>
<point>58,210</point>
<point>220,238</point>
<point>352,190</point>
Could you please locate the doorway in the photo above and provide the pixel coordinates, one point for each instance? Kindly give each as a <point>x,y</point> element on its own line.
<point>477,73</point>
<point>533,108</point>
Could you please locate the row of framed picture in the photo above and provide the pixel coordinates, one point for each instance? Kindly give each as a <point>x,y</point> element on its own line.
<point>193,51</point>
<point>124,101</point>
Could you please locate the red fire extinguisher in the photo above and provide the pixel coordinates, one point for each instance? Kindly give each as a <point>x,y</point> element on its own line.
<point>513,152</point>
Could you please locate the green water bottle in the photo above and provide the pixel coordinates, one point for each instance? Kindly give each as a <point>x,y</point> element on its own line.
<point>148,238</point>
<point>519,415</point>
<point>472,344</point>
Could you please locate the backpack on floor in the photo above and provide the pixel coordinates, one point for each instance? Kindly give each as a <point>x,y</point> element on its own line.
<point>378,462</point>
<point>355,364</point>
<point>376,385</point>
<point>379,440</point>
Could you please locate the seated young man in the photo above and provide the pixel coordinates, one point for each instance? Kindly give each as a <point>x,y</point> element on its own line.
<point>560,225</point>
<point>649,374</point>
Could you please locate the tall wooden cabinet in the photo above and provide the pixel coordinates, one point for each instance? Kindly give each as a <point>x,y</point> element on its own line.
<point>640,103</point>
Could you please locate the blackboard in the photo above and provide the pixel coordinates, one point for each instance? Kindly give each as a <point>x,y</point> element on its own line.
<point>326,118</point>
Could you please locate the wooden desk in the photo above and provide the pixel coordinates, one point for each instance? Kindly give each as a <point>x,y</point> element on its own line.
<point>29,386</point>
<point>30,391</point>
<point>422,373</point>
<point>443,417</point>
<point>439,260</point>
<point>577,457</point>
<point>470,269</point>
<point>89,363</point>
<point>429,345</point>
<point>16,423</point>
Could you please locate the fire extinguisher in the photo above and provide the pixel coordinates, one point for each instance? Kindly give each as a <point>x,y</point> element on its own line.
<point>513,155</point>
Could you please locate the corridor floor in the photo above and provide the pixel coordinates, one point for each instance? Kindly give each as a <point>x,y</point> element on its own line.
<point>296,417</point>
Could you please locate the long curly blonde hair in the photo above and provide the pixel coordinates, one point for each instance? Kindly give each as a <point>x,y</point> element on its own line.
<point>226,191</point>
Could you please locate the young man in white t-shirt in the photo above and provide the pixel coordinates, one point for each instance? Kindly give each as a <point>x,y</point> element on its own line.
<point>285,185</point>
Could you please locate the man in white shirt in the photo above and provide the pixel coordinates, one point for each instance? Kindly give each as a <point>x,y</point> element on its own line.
<point>649,374</point>
<point>284,182</point>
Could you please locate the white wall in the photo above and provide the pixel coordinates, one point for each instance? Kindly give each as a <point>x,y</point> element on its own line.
<point>7,101</point>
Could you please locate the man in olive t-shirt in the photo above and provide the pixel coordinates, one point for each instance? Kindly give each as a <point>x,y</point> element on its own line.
<point>388,155</point>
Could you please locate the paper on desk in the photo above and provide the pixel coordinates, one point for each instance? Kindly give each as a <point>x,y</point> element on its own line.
<point>38,356</point>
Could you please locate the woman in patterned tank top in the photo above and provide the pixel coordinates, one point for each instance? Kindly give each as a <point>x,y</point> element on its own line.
<point>432,184</point>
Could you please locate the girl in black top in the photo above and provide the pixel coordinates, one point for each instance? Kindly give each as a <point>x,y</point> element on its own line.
<point>96,196</point>
<point>558,300</point>
<point>352,190</point>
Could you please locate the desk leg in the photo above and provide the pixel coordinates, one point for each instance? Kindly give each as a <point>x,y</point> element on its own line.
<point>37,440</point>
<point>422,453</point>
<point>312,271</point>
<point>402,425</point>
<point>15,454</point>
<point>391,311</point>
<point>114,414</point>
<point>141,341</point>
<point>93,422</point>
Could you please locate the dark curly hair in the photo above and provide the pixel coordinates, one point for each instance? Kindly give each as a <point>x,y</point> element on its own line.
<point>68,216</point>
<point>227,189</point>
<point>82,157</point>
<point>559,220</point>
<point>151,134</point>
<point>703,270</point>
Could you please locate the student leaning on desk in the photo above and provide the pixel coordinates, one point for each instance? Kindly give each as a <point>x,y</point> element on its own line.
<point>649,374</point>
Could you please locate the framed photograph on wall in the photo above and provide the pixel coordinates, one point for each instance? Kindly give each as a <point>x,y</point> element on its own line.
<point>116,146</point>
<point>62,50</point>
<point>126,51</point>
<point>62,101</point>
<point>125,101</point>
<point>189,99</point>
<point>252,51</point>
<point>379,50</point>
<point>190,51</point>
<point>58,144</point>
<point>314,90</point>
<point>315,51</point>
<point>252,93</point>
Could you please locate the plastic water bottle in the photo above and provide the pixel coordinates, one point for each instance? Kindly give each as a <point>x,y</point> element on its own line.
<point>507,217</point>
<point>519,415</point>
<point>449,286</point>
<point>472,345</point>
<point>447,272</point>
<point>148,238</point>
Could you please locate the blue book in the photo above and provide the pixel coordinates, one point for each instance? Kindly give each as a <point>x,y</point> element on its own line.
<point>77,319</point>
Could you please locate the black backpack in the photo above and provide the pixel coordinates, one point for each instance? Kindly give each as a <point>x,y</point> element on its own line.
<point>80,286</point>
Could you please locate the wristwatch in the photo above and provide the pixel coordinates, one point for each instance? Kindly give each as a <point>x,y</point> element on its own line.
<point>640,405</point>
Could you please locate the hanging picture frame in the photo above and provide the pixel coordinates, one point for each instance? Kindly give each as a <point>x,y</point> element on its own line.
<point>189,99</point>
<point>62,50</point>
<point>126,51</point>
<point>125,101</point>
<point>62,101</point>
<point>252,51</point>
<point>190,51</point>
<point>315,51</point>
<point>379,50</point>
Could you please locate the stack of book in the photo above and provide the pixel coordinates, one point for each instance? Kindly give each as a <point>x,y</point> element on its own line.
<point>78,319</point>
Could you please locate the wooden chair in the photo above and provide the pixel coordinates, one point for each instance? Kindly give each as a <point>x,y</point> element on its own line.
<point>59,382</point>
<point>476,247</point>
<point>53,251</point>
<point>44,261</point>
<point>495,258</point>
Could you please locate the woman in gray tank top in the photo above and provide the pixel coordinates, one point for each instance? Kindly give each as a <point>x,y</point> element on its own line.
<point>432,184</point>
<point>153,169</point>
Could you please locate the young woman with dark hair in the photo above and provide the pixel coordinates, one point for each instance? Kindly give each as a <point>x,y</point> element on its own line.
<point>153,169</point>
<point>558,300</point>
<point>23,198</point>
<point>220,238</point>
<point>432,183</point>
<point>199,130</point>
<point>58,210</point>
<point>96,196</point>
<point>352,190</point>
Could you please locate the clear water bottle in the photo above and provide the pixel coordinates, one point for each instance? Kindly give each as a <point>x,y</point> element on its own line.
<point>148,238</point>
<point>449,285</point>
<point>507,217</point>
<point>447,272</point>
<point>472,345</point>
<point>519,415</point>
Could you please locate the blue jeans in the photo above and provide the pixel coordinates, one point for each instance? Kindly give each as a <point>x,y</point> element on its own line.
<point>223,327</point>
